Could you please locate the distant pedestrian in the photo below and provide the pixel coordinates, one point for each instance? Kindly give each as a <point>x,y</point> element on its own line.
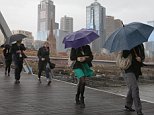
<point>82,58</point>
<point>8,59</point>
<point>131,76</point>
<point>18,56</point>
<point>44,62</point>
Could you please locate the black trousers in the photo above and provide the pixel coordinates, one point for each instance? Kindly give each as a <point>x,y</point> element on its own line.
<point>7,65</point>
<point>18,69</point>
<point>41,67</point>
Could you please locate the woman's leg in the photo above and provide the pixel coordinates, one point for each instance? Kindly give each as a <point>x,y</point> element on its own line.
<point>9,71</point>
<point>9,67</point>
<point>82,89</point>
<point>78,93</point>
<point>6,67</point>
<point>48,75</point>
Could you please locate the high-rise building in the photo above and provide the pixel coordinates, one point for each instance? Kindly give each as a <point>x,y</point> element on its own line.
<point>59,35</point>
<point>46,17</point>
<point>66,24</point>
<point>112,24</point>
<point>96,19</point>
<point>118,23</point>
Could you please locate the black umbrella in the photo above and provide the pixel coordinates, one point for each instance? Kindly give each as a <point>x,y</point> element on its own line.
<point>128,36</point>
<point>17,37</point>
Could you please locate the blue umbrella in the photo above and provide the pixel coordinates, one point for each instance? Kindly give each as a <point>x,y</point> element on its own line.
<point>128,36</point>
<point>80,38</point>
<point>17,37</point>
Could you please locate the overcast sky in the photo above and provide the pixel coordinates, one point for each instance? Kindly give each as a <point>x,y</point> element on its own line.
<point>22,14</point>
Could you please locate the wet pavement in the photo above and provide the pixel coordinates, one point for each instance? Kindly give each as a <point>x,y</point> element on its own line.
<point>32,98</point>
<point>146,91</point>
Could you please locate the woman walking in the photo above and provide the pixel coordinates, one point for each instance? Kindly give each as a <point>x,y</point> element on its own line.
<point>8,59</point>
<point>44,62</point>
<point>82,58</point>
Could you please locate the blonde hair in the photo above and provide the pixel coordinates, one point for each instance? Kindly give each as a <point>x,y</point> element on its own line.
<point>46,43</point>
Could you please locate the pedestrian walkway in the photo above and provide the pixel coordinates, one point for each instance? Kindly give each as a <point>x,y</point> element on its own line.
<point>32,98</point>
<point>146,91</point>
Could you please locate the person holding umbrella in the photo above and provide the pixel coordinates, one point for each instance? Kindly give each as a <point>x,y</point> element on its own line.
<point>129,39</point>
<point>83,58</point>
<point>18,56</point>
<point>8,58</point>
<point>131,76</point>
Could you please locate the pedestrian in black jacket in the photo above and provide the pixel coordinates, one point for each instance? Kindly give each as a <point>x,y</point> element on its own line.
<point>131,76</point>
<point>8,59</point>
<point>44,62</point>
<point>82,58</point>
<point>18,56</point>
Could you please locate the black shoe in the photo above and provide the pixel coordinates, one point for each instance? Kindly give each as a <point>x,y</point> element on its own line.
<point>139,113</point>
<point>17,82</point>
<point>39,79</point>
<point>129,109</point>
<point>49,82</point>
<point>82,105</point>
<point>8,74</point>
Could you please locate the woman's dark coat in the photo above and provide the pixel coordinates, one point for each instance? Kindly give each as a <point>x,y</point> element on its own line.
<point>135,66</point>
<point>16,56</point>
<point>77,53</point>
<point>43,53</point>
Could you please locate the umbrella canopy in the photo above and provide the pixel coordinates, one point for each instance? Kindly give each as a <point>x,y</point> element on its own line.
<point>80,38</point>
<point>128,36</point>
<point>17,37</point>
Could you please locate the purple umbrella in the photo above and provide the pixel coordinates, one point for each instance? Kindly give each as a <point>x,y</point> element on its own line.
<point>80,38</point>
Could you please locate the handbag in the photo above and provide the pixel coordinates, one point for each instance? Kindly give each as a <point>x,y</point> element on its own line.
<point>123,63</point>
<point>52,65</point>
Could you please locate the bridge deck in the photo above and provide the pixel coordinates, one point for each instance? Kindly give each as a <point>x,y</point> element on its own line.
<point>32,98</point>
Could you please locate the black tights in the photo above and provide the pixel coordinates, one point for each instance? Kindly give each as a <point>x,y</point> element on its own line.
<point>7,69</point>
<point>81,87</point>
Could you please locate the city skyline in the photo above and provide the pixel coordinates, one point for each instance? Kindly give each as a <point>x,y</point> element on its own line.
<point>22,14</point>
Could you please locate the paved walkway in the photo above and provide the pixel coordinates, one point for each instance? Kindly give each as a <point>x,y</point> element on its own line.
<point>146,91</point>
<point>32,98</point>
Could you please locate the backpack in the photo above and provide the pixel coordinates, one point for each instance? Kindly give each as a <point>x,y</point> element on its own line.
<point>123,63</point>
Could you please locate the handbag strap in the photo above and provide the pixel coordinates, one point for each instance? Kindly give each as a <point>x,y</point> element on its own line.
<point>135,52</point>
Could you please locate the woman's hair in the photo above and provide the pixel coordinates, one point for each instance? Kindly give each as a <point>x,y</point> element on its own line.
<point>46,43</point>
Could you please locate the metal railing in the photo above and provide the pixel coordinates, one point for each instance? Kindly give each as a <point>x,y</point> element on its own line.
<point>148,64</point>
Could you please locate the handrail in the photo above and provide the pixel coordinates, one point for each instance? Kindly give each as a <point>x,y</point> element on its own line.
<point>148,64</point>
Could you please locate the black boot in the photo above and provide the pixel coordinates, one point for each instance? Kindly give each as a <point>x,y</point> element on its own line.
<point>82,105</point>
<point>77,99</point>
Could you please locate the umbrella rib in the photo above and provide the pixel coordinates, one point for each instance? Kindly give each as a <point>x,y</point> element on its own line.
<point>116,35</point>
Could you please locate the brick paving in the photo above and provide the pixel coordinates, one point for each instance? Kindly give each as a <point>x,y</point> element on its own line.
<point>32,98</point>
